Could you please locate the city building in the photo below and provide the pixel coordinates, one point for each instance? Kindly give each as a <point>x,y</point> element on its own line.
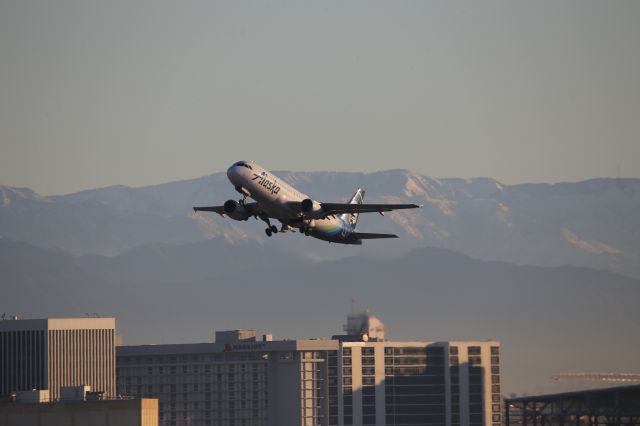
<point>348,380</point>
<point>618,405</point>
<point>363,326</point>
<point>48,354</point>
<point>123,412</point>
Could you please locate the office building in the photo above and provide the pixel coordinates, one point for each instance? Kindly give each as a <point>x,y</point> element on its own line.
<point>348,380</point>
<point>123,412</point>
<point>47,354</point>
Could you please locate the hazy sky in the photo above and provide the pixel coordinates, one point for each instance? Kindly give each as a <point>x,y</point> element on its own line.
<point>95,93</point>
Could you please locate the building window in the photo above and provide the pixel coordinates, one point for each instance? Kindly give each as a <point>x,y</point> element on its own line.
<point>285,356</point>
<point>368,371</point>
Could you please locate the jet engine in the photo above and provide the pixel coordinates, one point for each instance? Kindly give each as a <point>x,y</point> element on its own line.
<point>235,210</point>
<point>310,208</point>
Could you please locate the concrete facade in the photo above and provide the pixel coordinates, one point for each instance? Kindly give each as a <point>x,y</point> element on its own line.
<point>132,412</point>
<point>317,382</point>
<point>57,352</point>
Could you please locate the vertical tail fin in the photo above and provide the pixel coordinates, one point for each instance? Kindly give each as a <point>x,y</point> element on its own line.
<point>352,218</point>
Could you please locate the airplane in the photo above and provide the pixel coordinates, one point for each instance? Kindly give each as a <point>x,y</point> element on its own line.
<point>275,199</point>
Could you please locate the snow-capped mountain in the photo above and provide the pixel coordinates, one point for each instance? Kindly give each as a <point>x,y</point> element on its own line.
<point>592,223</point>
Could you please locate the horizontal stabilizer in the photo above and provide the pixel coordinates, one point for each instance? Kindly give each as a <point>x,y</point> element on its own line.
<point>370,236</point>
<point>217,209</point>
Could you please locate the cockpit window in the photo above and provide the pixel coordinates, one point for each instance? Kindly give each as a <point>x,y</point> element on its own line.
<point>243,164</point>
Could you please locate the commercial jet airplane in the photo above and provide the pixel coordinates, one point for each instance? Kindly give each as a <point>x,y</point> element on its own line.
<point>275,199</point>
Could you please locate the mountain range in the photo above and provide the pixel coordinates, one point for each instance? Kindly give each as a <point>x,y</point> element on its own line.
<point>550,270</point>
<point>549,320</point>
<point>594,223</point>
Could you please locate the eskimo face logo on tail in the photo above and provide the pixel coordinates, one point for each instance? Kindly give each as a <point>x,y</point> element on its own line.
<point>271,185</point>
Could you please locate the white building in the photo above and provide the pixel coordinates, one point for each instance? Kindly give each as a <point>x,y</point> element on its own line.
<point>241,381</point>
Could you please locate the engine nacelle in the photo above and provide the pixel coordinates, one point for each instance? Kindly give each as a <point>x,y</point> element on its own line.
<point>235,211</point>
<point>310,208</point>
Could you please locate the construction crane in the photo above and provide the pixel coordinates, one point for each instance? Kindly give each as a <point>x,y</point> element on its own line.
<point>602,377</point>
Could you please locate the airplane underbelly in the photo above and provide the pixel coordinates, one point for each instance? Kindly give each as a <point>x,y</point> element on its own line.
<point>330,229</point>
<point>270,204</point>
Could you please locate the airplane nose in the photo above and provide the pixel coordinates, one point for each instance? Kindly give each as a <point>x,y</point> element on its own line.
<point>233,174</point>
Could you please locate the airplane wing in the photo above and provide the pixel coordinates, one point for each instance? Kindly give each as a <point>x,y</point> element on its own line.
<point>252,209</point>
<point>329,209</point>
<point>370,236</point>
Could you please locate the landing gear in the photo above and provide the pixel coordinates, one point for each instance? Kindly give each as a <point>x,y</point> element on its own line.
<point>244,193</point>
<point>305,230</point>
<point>271,230</point>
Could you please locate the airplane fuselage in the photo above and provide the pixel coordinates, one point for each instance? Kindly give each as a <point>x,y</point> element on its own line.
<point>278,199</point>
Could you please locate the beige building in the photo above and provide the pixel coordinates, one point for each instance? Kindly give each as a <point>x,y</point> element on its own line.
<point>243,381</point>
<point>131,412</point>
<point>57,352</point>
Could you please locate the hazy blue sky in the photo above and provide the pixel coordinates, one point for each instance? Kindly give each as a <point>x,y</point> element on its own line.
<point>95,93</point>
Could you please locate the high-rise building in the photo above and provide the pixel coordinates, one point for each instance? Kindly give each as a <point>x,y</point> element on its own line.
<point>57,352</point>
<point>241,381</point>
